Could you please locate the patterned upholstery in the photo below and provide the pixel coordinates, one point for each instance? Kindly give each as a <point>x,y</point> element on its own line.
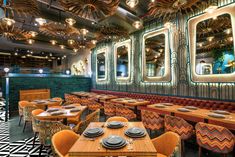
<point>117,118</point>
<point>215,138</point>
<point>47,129</point>
<point>60,100</point>
<point>171,148</point>
<point>71,99</point>
<point>152,120</point>
<point>179,126</point>
<point>27,112</point>
<point>91,104</point>
<point>93,117</point>
<point>124,111</point>
<point>109,109</point>
<point>35,120</point>
<point>21,105</point>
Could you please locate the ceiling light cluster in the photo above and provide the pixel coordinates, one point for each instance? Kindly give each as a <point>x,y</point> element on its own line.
<point>132,3</point>
<point>137,24</point>
<point>8,21</point>
<point>70,21</point>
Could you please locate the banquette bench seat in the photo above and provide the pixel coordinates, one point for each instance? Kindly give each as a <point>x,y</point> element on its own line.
<point>201,103</point>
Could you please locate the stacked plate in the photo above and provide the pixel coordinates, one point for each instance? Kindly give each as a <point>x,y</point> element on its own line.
<point>93,132</point>
<point>115,125</point>
<point>191,107</point>
<point>51,100</point>
<point>160,106</point>
<point>56,113</point>
<point>168,104</point>
<point>69,106</point>
<point>135,132</point>
<point>53,109</point>
<point>183,110</point>
<point>75,110</point>
<point>221,112</point>
<point>215,115</point>
<point>114,142</point>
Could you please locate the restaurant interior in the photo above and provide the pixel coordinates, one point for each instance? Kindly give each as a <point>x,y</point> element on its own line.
<point>110,78</point>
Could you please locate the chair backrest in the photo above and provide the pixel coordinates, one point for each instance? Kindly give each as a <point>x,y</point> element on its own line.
<point>63,140</point>
<point>47,129</point>
<point>109,109</point>
<point>117,118</point>
<point>60,100</point>
<point>92,104</point>
<point>215,138</point>
<point>93,117</point>
<point>21,105</point>
<point>152,120</point>
<point>71,98</point>
<point>179,126</point>
<point>35,120</point>
<point>124,111</point>
<point>27,112</point>
<point>168,144</point>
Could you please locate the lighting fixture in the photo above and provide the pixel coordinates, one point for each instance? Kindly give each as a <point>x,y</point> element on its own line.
<point>8,21</point>
<point>75,50</point>
<point>31,52</point>
<point>210,38</point>
<point>211,8</point>
<point>94,41</point>
<point>132,3</point>
<point>168,24</point>
<point>70,21</point>
<point>33,33</point>
<point>84,31</point>
<point>53,42</point>
<point>152,1</point>
<point>147,49</point>
<point>230,38</point>
<point>40,21</point>
<point>40,71</point>
<point>31,41</point>
<point>71,41</point>
<point>228,31</point>
<point>67,72</point>
<point>137,24</point>
<point>50,55</point>
<point>16,53</point>
<point>62,46</point>
<point>6,70</point>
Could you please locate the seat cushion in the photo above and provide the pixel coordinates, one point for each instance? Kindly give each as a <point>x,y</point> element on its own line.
<point>161,155</point>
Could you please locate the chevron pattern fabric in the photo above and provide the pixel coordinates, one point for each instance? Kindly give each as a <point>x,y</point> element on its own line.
<point>179,126</point>
<point>214,138</point>
<point>72,99</point>
<point>152,120</point>
<point>92,104</point>
<point>124,111</point>
<point>109,109</point>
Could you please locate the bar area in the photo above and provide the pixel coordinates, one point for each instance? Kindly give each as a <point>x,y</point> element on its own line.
<point>117,78</point>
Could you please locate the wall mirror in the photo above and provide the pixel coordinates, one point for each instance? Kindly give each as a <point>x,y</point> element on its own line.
<point>122,60</point>
<point>212,46</point>
<point>156,56</point>
<point>101,64</point>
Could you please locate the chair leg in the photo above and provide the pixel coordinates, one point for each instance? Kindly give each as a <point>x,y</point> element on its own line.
<point>40,151</point>
<point>24,125</point>
<point>34,139</point>
<point>20,120</point>
<point>182,148</point>
<point>199,151</point>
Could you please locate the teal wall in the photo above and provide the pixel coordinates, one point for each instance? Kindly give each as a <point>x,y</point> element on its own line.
<point>58,84</point>
<point>180,83</point>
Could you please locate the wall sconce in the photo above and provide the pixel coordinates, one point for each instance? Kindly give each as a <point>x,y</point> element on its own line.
<point>40,71</point>
<point>67,72</point>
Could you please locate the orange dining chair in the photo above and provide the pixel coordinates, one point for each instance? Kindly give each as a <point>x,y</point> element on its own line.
<point>118,119</point>
<point>62,141</point>
<point>179,126</point>
<point>35,122</point>
<point>109,109</point>
<point>214,138</point>
<point>91,104</point>
<point>124,111</point>
<point>60,101</point>
<point>152,120</point>
<point>27,114</point>
<point>168,145</point>
<point>21,105</point>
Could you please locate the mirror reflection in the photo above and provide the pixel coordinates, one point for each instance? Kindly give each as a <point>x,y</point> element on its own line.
<point>101,63</point>
<point>214,46</point>
<point>155,55</point>
<point>122,61</point>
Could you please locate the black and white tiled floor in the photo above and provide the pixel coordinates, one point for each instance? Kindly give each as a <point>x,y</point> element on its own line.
<point>21,148</point>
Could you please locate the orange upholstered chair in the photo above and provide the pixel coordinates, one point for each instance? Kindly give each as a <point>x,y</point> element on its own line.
<point>21,105</point>
<point>62,141</point>
<point>109,109</point>
<point>168,145</point>
<point>214,138</point>
<point>179,126</point>
<point>60,101</point>
<point>124,111</point>
<point>117,118</point>
<point>27,114</point>
<point>35,122</point>
<point>152,120</point>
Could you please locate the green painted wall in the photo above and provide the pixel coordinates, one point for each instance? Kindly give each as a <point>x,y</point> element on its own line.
<point>58,84</point>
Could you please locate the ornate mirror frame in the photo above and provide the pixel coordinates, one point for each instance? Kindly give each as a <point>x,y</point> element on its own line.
<point>99,51</point>
<point>192,24</point>
<point>167,66</point>
<point>126,43</point>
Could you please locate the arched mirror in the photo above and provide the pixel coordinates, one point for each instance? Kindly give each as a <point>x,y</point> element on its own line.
<point>122,51</point>
<point>101,64</point>
<point>212,46</point>
<point>156,56</point>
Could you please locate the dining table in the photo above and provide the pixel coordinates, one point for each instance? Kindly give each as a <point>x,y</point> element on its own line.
<point>84,94</point>
<point>139,147</point>
<point>104,97</point>
<point>196,114</point>
<point>66,114</point>
<point>45,103</point>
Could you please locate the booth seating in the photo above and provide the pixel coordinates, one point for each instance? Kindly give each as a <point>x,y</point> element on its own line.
<point>201,103</point>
